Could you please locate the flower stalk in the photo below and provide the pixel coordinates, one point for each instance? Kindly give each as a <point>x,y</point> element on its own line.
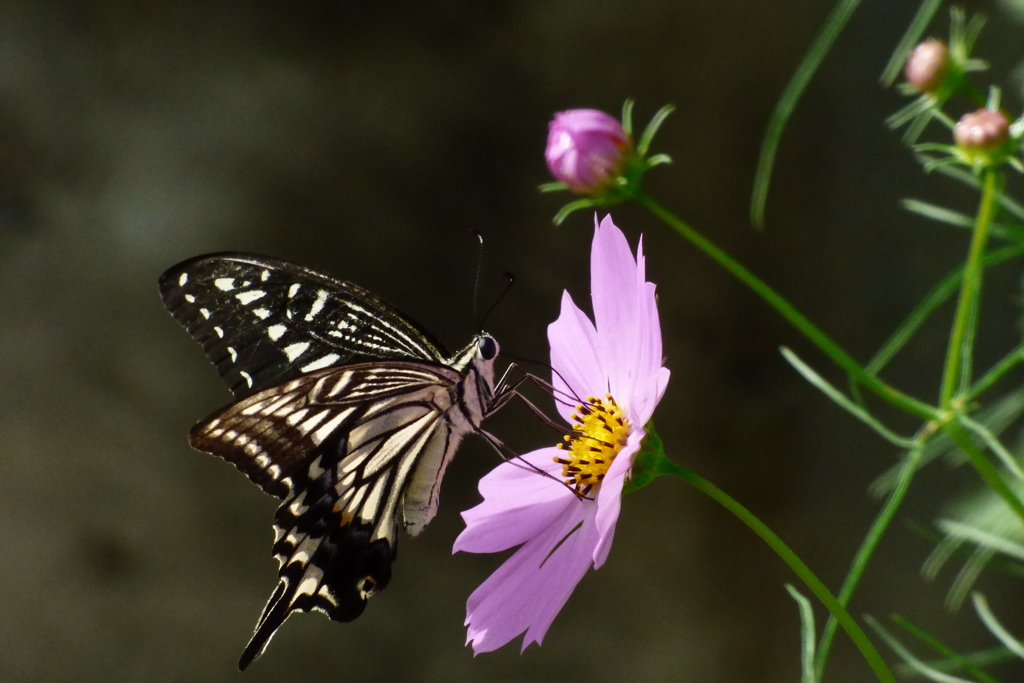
<point>656,463</point>
<point>956,376</point>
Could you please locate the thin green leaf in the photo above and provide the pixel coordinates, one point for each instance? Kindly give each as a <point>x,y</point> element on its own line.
<point>915,30</point>
<point>834,25</point>
<point>807,635</point>
<point>554,186</point>
<point>981,537</point>
<point>995,655</point>
<point>841,399</point>
<point>569,208</point>
<point>954,660</point>
<point>938,213</point>
<point>990,440</point>
<point>627,116</point>
<point>1008,363</point>
<point>1012,644</point>
<point>652,129</point>
<point>941,214</point>
<point>967,577</point>
<point>947,546</point>
<point>658,160</point>
<point>913,662</point>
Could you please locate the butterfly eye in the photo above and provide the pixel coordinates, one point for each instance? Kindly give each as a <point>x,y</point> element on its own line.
<point>488,348</point>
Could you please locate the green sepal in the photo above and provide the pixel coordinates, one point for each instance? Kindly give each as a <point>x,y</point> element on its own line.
<point>647,464</point>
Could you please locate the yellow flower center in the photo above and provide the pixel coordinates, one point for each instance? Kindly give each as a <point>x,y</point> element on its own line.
<point>597,437</point>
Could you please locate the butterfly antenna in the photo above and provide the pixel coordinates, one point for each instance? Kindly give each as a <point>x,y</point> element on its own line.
<point>509,281</point>
<point>479,268</point>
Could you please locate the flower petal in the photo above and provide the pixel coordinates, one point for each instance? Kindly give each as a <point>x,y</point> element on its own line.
<point>609,497</point>
<point>617,318</point>
<point>577,370</point>
<point>519,503</point>
<point>529,589</point>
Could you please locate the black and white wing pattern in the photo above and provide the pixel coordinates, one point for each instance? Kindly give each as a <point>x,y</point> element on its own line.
<point>348,412</point>
<point>262,321</point>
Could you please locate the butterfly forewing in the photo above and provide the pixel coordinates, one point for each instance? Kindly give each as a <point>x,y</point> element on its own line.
<point>263,321</point>
<point>348,412</point>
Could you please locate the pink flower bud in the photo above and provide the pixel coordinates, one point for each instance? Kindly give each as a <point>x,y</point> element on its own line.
<point>982,131</point>
<point>586,149</point>
<point>927,66</point>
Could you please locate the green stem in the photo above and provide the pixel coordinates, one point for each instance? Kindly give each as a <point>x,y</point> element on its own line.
<point>867,549</point>
<point>803,572</point>
<point>819,338</point>
<point>956,376</point>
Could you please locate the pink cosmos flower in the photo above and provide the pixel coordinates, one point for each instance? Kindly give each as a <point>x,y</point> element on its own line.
<point>613,369</point>
<point>586,149</point>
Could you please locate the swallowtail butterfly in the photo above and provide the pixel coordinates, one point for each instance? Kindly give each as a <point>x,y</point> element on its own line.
<point>346,411</point>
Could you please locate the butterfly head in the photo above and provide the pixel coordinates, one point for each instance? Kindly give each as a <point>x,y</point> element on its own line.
<point>486,346</point>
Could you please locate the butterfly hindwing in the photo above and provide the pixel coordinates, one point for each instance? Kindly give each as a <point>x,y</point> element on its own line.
<point>336,531</point>
<point>272,435</point>
<point>262,321</point>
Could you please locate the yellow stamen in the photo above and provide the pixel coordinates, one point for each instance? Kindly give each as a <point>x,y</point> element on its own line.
<point>598,436</point>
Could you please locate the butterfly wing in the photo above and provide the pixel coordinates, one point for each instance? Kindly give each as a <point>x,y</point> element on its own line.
<point>340,446</point>
<point>262,321</point>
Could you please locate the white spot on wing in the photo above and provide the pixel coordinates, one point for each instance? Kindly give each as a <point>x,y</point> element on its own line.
<point>234,354</point>
<point>325,593</point>
<point>294,289</point>
<point>219,331</point>
<point>318,305</point>
<point>312,422</point>
<point>205,312</point>
<point>308,586</point>
<point>261,313</point>
<point>224,284</point>
<point>315,470</point>
<point>295,350</point>
<point>265,275</point>
<point>369,510</point>
<point>189,298</point>
<point>246,376</point>
<point>247,298</point>
<point>325,431</point>
<point>275,332</point>
<point>298,505</point>
<point>323,362</point>
<point>182,279</point>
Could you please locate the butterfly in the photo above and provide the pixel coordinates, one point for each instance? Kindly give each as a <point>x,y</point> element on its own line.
<point>346,410</point>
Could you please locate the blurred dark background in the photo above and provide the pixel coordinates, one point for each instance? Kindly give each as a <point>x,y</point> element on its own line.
<point>368,140</point>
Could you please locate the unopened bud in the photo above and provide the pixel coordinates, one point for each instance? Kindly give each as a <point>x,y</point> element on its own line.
<point>586,149</point>
<point>927,66</point>
<point>985,130</point>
